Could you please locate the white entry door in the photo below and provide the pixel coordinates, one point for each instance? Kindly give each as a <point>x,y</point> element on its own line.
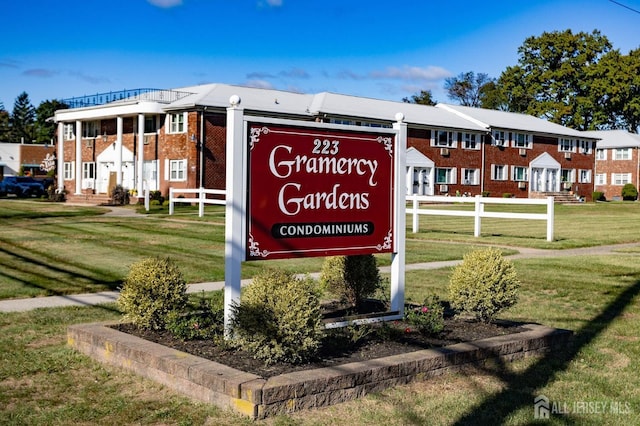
<point>104,170</point>
<point>150,174</point>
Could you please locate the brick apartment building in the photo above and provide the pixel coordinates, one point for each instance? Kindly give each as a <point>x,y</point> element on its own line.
<point>176,138</point>
<point>18,158</point>
<point>617,162</point>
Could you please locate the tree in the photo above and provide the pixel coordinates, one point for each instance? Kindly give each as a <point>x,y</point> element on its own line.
<point>552,81</point>
<point>425,97</point>
<point>615,85</point>
<point>23,119</point>
<point>45,130</point>
<point>467,87</point>
<point>4,124</point>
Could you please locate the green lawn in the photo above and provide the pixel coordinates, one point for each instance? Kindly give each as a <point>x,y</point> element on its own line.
<point>47,249</point>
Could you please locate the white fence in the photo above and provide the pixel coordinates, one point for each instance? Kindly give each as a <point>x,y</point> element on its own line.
<point>201,198</point>
<point>479,212</point>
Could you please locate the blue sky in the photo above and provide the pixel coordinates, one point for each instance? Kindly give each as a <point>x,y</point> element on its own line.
<point>379,49</point>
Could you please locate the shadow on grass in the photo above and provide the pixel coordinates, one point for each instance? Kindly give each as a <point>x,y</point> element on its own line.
<point>520,388</point>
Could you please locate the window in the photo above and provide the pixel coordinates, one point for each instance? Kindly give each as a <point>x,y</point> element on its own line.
<point>177,123</point>
<point>521,140</point>
<point>567,175</point>
<point>499,172</point>
<point>620,178</point>
<point>443,138</point>
<point>601,154</point>
<point>470,176</point>
<point>601,179</point>
<point>470,140</point>
<point>69,131</point>
<point>177,170</point>
<point>584,176</point>
<point>343,121</point>
<point>90,129</point>
<point>622,154</point>
<point>499,138</point>
<point>150,124</point>
<point>445,175</point>
<point>68,170</point>
<point>567,145</point>
<point>520,174</point>
<point>586,147</point>
<point>88,170</point>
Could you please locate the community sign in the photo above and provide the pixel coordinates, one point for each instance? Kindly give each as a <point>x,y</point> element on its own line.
<point>319,191</point>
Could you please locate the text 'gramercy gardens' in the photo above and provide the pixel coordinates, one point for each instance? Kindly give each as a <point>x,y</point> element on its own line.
<point>324,160</point>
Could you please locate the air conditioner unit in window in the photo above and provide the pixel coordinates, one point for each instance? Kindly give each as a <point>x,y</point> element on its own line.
<point>444,188</point>
<point>567,155</point>
<point>522,185</point>
<point>444,151</point>
<point>147,139</point>
<point>89,143</point>
<point>523,151</point>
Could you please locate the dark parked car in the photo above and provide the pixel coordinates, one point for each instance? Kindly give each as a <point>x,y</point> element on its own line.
<point>22,186</point>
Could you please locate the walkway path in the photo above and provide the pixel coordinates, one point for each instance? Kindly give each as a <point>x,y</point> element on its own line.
<point>90,299</point>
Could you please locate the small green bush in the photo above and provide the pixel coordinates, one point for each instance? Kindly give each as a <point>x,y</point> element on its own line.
<point>153,287</point>
<point>484,284</point>
<point>154,202</point>
<point>629,192</point>
<point>204,321</point>
<point>486,193</point>
<point>279,318</point>
<point>507,195</point>
<point>352,278</point>
<point>427,318</point>
<point>598,196</point>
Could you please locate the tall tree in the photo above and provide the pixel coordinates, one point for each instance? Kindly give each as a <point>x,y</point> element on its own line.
<point>615,85</point>
<point>551,79</point>
<point>45,130</point>
<point>467,88</point>
<point>23,119</point>
<point>425,97</point>
<point>4,124</point>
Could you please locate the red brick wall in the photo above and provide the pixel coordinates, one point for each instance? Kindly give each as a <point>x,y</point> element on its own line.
<point>610,166</point>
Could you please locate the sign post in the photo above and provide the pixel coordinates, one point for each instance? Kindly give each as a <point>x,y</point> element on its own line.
<point>303,189</point>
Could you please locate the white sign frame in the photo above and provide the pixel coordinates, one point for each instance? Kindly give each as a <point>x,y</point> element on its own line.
<point>236,208</point>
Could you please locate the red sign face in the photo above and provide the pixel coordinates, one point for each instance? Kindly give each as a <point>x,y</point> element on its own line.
<point>317,192</point>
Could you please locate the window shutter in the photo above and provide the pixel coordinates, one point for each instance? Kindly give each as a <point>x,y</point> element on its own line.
<point>166,169</point>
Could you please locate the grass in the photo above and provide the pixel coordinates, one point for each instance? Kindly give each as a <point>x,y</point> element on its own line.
<point>43,381</point>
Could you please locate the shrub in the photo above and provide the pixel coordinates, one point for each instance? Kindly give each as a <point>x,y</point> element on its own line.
<point>279,318</point>
<point>507,195</point>
<point>153,287</point>
<point>483,284</point>
<point>629,192</point>
<point>119,196</point>
<point>598,196</point>
<point>154,202</point>
<point>204,321</point>
<point>485,193</point>
<point>427,318</point>
<point>352,278</point>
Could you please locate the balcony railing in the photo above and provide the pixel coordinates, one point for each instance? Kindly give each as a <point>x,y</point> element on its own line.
<point>153,95</point>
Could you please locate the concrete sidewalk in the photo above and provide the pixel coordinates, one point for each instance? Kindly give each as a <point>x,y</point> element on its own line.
<point>90,299</point>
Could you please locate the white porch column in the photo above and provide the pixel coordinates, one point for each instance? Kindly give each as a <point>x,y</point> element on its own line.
<point>140,165</point>
<point>60,158</point>
<point>118,162</point>
<point>78,167</point>
<point>409,180</point>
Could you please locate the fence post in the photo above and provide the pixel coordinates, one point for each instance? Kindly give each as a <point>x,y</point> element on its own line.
<point>201,201</point>
<point>416,225</point>
<point>476,218</point>
<point>550,217</point>
<point>170,201</point>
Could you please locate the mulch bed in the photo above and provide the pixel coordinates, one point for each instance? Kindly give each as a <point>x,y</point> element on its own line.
<point>335,351</point>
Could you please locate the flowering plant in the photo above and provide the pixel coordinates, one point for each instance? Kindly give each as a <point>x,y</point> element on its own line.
<point>427,318</point>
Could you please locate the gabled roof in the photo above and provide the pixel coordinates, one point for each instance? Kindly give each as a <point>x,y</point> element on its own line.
<point>251,98</point>
<point>417,159</point>
<point>501,120</point>
<point>377,109</point>
<point>615,138</point>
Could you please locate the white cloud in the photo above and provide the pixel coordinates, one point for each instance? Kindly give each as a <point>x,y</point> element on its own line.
<point>274,3</point>
<point>259,84</point>
<point>166,4</point>
<point>40,72</point>
<point>408,73</point>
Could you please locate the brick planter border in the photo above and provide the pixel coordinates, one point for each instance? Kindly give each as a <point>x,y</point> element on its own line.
<point>257,397</point>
